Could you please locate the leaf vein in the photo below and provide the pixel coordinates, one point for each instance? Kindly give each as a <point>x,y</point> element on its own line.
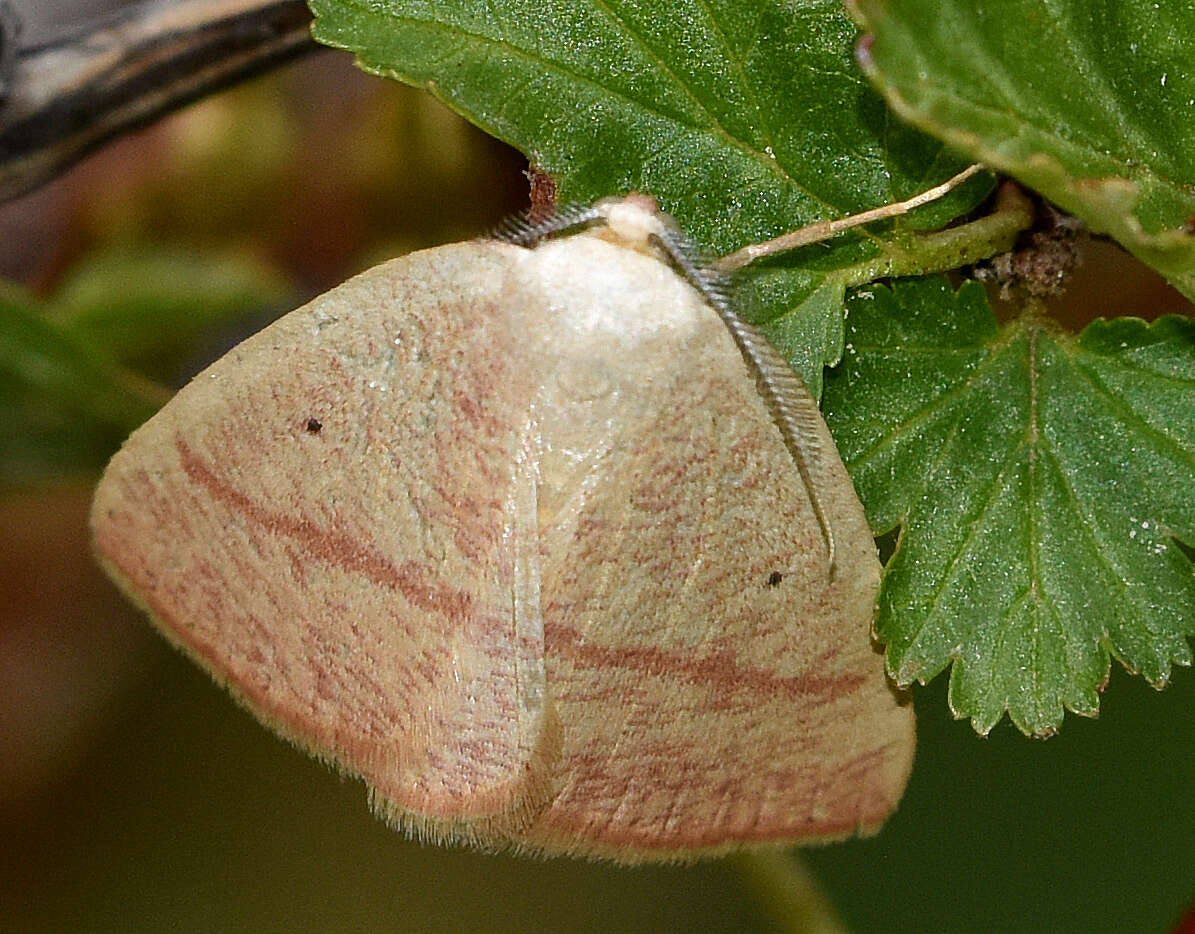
<point>714,126</point>
<point>1126,414</point>
<point>740,68</point>
<point>1087,64</point>
<point>925,413</point>
<point>990,496</point>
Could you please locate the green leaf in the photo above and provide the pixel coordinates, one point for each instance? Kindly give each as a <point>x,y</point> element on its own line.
<point>146,307</point>
<point>67,385</point>
<point>66,408</point>
<point>1091,104</point>
<point>1045,485</point>
<point>745,119</point>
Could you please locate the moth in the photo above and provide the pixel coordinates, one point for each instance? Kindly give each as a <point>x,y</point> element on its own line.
<point>537,537</point>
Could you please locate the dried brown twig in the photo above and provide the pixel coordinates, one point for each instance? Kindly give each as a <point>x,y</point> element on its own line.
<point>62,99</point>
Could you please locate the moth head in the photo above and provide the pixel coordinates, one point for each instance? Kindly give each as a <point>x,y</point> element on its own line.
<point>634,221</point>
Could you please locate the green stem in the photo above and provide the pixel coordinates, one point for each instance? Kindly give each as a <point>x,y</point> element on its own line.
<point>944,250</point>
<point>785,885</point>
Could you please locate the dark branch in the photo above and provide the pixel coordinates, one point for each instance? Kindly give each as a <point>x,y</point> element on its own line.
<point>67,97</point>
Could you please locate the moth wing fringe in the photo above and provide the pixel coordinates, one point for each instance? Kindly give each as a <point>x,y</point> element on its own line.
<point>492,833</point>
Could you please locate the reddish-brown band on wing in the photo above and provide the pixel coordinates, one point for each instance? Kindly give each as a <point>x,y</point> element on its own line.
<point>333,519</point>
<point>716,687</point>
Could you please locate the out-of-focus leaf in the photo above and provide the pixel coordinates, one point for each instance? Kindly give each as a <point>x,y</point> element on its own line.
<point>146,307</point>
<point>66,408</point>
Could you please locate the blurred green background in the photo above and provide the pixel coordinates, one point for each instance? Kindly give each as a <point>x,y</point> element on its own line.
<point>134,795</point>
